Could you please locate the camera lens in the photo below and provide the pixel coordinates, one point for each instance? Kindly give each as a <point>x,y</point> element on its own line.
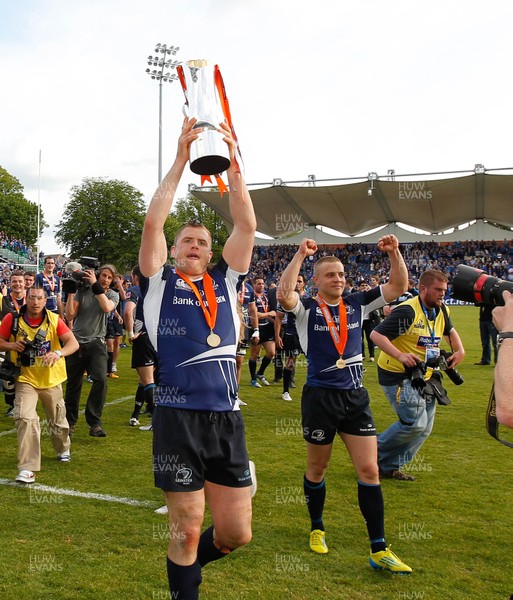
<point>474,285</point>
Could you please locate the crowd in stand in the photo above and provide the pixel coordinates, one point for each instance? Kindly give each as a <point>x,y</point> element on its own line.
<point>363,260</point>
<point>360,260</point>
<point>9,242</point>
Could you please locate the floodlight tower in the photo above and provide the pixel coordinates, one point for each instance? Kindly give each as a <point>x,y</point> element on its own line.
<point>162,62</point>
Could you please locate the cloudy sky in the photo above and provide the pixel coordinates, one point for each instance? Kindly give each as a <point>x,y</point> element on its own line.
<point>331,88</point>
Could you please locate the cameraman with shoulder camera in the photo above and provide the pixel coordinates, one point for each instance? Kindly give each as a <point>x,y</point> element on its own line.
<point>410,337</point>
<point>503,380</point>
<point>38,340</point>
<point>88,306</point>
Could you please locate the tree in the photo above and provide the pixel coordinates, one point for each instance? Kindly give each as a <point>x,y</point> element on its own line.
<point>18,216</point>
<point>191,209</point>
<point>104,219</point>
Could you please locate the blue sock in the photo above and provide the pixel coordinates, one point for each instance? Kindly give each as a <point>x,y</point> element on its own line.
<point>184,582</point>
<point>372,507</point>
<point>315,495</point>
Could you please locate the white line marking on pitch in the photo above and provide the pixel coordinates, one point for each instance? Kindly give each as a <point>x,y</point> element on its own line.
<point>116,401</point>
<point>77,494</point>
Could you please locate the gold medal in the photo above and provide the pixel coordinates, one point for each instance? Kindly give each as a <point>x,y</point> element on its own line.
<point>213,340</point>
<point>341,363</point>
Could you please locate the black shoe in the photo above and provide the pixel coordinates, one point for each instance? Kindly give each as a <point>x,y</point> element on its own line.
<point>10,412</point>
<point>71,429</point>
<point>97,431</point>
<point>482,363</point>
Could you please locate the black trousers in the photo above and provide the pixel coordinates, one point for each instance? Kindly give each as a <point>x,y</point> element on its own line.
<point>90,357</point>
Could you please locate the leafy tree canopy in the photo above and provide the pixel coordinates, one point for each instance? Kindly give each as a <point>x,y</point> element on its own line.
<point>18,216</point>
<point>191,209</point>
<point>104,218</point>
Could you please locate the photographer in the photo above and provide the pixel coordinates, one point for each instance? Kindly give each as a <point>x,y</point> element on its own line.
<point>12,302</point>
<point>88,307</point>
<point>34,339</point>
<point>503,381</point>
<point>410,335</point>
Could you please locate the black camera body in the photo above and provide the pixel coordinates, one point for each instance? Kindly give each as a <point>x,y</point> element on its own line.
<point>451,372</point>
<point>75,280</point>
<point>416,373</point>
<point>28,357</point>
<point>9,371</point>
<point>474,285</point>
<point>71,282</point>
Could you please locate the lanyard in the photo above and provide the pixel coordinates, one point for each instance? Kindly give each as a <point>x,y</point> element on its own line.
<point>15,302</point>
<point>263,301</point>
<point>431,331</point>
<point>338,335</point>
<point>51,284</point>
<point>210,311</point>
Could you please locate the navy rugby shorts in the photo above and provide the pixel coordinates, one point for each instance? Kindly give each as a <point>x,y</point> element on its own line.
<point>327,411</point>
<point>194,446</point>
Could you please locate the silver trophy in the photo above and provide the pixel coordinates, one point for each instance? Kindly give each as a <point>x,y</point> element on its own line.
<point>204,92</point>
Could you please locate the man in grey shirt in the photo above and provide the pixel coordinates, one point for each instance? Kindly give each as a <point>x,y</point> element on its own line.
<point>89,307</point>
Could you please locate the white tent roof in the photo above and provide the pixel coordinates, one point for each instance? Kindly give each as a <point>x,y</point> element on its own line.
<point>434,206</point>
<point>477,231</point>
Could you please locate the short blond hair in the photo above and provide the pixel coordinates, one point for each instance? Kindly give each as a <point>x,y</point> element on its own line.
<point>326,259</point>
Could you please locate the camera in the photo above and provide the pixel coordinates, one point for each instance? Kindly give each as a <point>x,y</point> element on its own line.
<point>416,373</point>
<point>474,285</point>
<point>9,371</point>
<point>74,280</point>
<point>451,372</point>
<point>27,357</point>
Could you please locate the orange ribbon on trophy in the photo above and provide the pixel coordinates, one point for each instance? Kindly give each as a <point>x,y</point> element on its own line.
<point>206,100</point>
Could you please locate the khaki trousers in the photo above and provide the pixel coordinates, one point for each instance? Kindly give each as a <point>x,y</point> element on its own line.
<point>27,424</point>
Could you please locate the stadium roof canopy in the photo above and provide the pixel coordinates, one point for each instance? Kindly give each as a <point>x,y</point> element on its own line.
<point>431,205</point>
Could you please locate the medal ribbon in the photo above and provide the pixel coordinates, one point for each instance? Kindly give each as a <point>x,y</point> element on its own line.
<point>15,302</point>
<point>51,284</point>
<point>339,336</point>
<point>263,301</point>
<point>210,311</point>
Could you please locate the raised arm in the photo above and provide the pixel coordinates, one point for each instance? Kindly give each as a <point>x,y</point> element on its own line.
<point>153,250</point>
<point>287,295</point>
<point>398,277</point>
<point>238,248</point>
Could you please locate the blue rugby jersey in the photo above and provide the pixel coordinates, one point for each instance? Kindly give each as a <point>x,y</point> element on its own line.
<point>51,296</point>
<point>134,295</point>
<point>191,374</point>
<point>246,296</point>
<point>318,345</point>
<point>262,305</point>
<point>289,321</point>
